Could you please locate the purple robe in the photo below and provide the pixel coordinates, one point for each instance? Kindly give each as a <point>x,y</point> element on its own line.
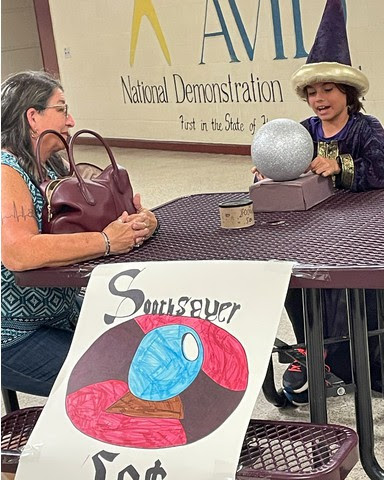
<point>363,139</point>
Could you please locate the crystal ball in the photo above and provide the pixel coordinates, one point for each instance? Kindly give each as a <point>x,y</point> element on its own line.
<point>282,149</point>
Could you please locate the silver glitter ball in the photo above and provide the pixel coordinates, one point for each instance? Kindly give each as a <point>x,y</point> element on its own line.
<point>282,149</point>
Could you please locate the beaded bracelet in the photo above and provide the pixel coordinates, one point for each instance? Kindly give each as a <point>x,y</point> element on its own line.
<point>107,244</point>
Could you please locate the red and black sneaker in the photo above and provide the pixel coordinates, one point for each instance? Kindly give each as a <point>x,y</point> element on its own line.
<point>295,378</point>
<point>297,399</point>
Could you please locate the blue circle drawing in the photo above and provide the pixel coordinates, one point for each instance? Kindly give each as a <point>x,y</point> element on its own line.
<point>166,362</point>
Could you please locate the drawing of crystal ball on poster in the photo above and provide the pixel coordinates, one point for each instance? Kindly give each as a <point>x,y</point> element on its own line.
<point>157,381</point>
<point>282,149</point>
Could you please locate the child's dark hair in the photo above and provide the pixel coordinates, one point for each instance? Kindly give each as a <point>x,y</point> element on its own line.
<point>353,101</point>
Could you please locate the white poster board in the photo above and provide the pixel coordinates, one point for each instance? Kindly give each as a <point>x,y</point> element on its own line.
<point>165,367</point>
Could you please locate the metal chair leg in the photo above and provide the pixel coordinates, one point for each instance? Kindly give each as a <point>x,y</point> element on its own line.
<point>10,400</point>
<point>271,394</point>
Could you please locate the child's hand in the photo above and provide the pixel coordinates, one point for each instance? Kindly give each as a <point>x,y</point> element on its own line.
<point>325,166</point>
<point>258,175</point>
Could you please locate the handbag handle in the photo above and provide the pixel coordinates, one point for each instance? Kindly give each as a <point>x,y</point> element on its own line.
<point>88,197</point>
<point>38,155</point>
<point>115,174</point>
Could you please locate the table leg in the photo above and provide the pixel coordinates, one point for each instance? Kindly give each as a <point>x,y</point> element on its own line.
<point>313,320</point>
<point>360,366</point>
<point>380,326</point>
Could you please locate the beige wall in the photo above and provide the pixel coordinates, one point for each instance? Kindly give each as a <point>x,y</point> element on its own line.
<point>20,46</point>
<point>93,42</point>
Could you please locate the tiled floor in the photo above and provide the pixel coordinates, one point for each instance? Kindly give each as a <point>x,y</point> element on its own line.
<point>161,176</point>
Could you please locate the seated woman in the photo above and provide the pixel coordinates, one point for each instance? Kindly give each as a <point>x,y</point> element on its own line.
<point>38,323</point>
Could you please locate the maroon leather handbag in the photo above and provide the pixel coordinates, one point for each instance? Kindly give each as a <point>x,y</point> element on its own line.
<point>89,198</point>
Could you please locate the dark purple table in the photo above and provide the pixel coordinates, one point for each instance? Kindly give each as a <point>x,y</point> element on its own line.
<point>336,244</point>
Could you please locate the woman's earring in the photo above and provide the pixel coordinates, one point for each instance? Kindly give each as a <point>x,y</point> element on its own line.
<point>34,134</point>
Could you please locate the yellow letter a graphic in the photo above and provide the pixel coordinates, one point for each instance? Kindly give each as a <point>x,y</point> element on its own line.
<point>141,8</point>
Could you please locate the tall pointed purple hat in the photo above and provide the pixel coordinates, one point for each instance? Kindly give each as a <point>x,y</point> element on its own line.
<point>329,59</point>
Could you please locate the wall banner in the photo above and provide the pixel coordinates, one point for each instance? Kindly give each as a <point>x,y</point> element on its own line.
<point>209,71</point>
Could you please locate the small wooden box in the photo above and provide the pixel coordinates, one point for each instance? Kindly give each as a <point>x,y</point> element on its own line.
<point>300,194</point>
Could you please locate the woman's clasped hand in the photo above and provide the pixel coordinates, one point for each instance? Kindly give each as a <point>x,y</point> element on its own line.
<point>130,231</point>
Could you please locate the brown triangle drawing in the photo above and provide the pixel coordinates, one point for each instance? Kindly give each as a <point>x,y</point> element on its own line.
<point>132,406</point>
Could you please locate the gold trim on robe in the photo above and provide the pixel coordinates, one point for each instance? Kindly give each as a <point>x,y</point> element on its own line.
<point>347,170</point>
<point>331,150</point>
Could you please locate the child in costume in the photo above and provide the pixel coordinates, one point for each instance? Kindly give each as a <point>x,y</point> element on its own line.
<point>349,146</point>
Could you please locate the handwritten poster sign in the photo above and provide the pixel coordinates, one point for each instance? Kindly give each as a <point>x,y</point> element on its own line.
<point>165,367</point>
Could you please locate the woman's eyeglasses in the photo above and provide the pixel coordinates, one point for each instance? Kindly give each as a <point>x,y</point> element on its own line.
<point>60,107</point>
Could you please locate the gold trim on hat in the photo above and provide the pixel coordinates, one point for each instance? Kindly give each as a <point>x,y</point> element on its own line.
<point>334,72</point>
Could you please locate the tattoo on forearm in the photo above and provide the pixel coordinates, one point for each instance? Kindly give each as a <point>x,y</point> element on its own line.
<point>19,214</point>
